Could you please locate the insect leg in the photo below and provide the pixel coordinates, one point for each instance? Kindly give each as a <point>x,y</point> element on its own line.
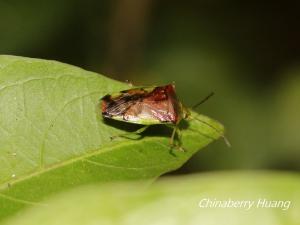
<point>178,146</point>
<point>179,135</point>
<point>129,83</point>
<point>138,132</point>
<point>173,136</point>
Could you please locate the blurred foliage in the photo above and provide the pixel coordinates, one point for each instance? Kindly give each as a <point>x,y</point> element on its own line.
<point>173,201</point>
<point>247,52</point>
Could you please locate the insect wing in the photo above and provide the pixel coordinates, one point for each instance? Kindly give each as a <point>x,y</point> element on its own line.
<point>148,105</point>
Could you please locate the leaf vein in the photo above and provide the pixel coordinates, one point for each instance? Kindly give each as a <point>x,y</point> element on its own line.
<point>52,122</point>
<point>121,167</point>
<point>26,202</point>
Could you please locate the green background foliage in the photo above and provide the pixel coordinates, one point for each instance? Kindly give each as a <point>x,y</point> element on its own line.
<point>174,201</point>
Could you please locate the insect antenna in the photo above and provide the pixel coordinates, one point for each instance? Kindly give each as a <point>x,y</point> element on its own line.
<point>203,100</point>
<point>207,124</point>
<point>215,129</point>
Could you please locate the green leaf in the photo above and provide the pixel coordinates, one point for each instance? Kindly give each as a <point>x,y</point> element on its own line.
<point>176,201</point>
<point>54,138</point>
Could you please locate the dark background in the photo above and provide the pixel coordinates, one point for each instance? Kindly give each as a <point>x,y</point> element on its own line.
<point>247,52</point>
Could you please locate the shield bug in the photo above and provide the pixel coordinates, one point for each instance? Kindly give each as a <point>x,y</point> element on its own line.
<point>148,106</point>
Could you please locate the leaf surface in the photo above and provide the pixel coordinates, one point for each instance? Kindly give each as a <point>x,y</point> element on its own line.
<point>53,136</point>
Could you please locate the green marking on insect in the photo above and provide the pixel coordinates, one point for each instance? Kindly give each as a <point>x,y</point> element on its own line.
<point>149,106</point>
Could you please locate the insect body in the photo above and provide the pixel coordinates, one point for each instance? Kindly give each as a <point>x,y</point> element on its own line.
<point>146,106</point>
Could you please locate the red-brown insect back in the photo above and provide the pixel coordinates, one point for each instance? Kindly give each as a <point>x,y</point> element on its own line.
<point>164,102</point>
<point>174,102</point>
<point>150,105</point>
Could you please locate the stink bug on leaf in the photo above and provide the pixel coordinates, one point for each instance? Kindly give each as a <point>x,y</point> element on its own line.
<point>148,106</point>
